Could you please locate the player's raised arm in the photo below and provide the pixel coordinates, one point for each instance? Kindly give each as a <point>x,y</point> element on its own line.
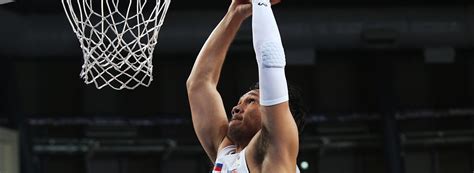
<point>279,132</point>
<point>208,113</point>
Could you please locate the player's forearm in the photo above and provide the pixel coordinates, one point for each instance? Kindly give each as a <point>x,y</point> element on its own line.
<point>209,62</point>
<point>270,54</point>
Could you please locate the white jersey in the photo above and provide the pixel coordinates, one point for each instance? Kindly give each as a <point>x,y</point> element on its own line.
<point>228,161</point>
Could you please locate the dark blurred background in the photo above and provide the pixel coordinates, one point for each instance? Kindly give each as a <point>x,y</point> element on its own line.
<point>388,84</point>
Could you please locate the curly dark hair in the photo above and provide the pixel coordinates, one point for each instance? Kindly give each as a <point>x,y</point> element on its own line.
<point>297,108</point>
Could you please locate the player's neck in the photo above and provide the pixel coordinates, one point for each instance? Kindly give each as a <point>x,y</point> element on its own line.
<point>240,146</point>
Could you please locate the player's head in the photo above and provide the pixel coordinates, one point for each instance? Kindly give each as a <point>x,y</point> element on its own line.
<point>246,116</point>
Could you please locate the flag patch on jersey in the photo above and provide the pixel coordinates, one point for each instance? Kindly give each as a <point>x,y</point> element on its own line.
<point>218,167</point>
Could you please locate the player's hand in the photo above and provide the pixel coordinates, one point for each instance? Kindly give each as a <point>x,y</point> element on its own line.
<point>241,8</point>
<point>275,1</point>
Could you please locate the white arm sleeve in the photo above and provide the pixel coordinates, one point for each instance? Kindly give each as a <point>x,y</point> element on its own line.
<point>270,54</point>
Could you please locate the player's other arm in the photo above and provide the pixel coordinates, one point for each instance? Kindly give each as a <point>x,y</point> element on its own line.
<point>207,109</point>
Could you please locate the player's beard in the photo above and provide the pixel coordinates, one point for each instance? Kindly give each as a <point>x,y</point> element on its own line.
<point>239,133</point>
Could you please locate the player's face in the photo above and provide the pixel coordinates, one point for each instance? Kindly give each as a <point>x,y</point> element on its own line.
<point>246,116</point>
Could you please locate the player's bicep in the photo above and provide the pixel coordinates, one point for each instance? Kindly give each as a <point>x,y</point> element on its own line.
<point>280,131</point>
<point>209,118</point>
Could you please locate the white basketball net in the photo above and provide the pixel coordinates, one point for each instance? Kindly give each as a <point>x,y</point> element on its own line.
<point>117,40</point>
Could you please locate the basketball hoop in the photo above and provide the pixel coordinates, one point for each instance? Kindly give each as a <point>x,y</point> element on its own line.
<point>117,39</point>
